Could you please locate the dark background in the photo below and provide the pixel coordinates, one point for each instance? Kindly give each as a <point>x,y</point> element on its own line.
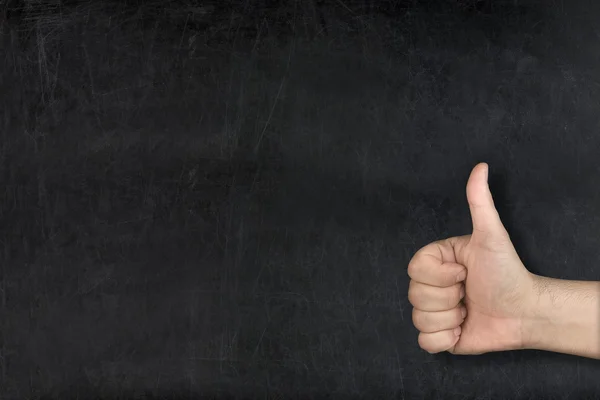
<point>221,199</point>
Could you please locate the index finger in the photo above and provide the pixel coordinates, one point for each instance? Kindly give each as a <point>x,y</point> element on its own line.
<point>428,266</point>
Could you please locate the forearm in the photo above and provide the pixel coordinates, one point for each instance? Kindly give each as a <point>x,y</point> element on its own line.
<point>564,317</point>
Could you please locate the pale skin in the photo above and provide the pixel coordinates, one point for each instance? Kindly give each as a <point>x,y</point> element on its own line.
<point>472,294</point>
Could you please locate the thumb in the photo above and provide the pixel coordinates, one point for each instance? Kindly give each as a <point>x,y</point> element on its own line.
<point>483,211</point>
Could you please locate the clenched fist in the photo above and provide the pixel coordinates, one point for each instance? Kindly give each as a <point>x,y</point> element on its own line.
<point>470,293</point>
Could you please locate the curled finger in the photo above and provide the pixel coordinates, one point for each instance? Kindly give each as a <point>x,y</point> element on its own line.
<point>439,341</point>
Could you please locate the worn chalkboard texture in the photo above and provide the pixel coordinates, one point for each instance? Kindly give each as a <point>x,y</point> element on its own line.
<point>220,199</point>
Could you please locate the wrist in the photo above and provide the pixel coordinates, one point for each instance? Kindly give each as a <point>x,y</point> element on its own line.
<point>562,316</point>
<point>535,315</point>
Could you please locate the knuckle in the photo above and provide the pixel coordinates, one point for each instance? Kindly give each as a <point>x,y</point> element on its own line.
<point>411,298</point>
<point>412,294</point>
<point>422,342</point>
<point>425,345</point>
<point>412,266</point>
<point>417,318</point>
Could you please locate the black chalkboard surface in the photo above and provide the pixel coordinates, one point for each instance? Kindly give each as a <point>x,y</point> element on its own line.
<point>220,199</point>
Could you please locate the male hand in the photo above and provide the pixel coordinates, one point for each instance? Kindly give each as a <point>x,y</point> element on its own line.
<point>471,293</point>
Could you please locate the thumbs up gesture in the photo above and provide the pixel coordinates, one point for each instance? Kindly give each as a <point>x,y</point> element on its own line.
<point>470,293</point>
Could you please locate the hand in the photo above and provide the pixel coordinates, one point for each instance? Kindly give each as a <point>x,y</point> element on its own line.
<point>480,275</point>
